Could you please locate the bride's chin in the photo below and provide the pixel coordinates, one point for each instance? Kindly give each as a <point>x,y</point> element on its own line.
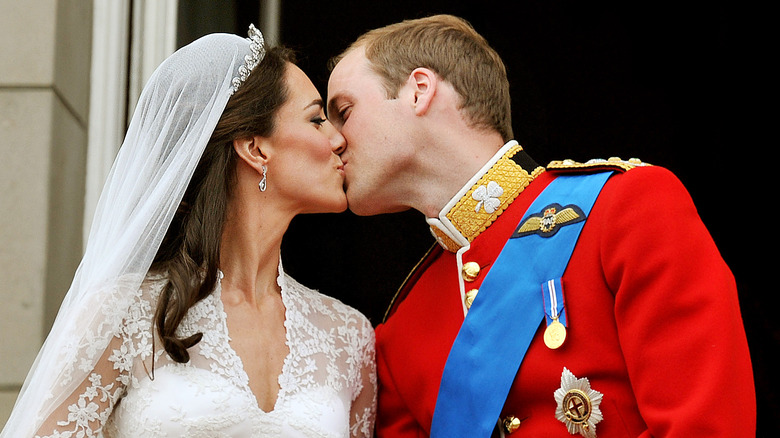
<point>337,205</point>
<point>343,205</point>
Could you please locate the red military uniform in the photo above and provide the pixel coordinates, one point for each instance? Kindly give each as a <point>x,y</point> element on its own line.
<point>653,318</point>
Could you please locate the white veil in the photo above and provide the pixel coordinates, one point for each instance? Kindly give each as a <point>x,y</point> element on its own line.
<point>173,121</point>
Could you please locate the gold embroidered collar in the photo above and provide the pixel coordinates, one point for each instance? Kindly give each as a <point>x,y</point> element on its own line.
<point>482,200</point>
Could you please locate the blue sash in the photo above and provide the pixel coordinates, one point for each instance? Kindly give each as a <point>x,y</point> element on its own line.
<point>506,313</point>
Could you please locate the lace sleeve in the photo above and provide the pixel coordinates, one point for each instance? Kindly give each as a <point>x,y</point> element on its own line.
<point>363,411</point>
<point>85,411</point>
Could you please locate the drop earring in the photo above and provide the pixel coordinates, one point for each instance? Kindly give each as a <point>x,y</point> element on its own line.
<point>263,182</point>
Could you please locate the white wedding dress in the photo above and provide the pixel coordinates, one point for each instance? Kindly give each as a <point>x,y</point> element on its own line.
<point>327,385</point>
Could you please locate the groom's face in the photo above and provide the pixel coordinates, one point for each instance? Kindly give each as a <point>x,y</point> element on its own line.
<point>373,127</point>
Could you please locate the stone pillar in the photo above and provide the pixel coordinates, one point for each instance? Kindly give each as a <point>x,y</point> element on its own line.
<point>45,48</point>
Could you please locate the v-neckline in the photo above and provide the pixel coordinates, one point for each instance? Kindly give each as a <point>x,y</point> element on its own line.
<point>244,376</point>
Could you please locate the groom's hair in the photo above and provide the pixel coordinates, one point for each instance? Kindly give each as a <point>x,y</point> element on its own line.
<point>451,47</point>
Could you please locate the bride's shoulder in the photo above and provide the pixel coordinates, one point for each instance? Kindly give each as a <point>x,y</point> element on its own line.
<point>153,283</point>
<point>322,303</point>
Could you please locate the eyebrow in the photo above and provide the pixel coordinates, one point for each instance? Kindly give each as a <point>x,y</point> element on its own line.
<point>315,102</point>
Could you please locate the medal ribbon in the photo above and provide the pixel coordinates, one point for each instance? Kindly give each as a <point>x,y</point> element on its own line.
<point>505,315</point>
<point>554,308</point>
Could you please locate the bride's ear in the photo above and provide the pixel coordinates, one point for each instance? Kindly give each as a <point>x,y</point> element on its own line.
<point>251,151</point>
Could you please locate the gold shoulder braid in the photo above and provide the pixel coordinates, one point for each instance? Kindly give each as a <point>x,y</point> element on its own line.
<point>488,197</point>
<point>612,163</point>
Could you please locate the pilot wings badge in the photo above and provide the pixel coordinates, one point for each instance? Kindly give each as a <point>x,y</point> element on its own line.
<point>550,220</point>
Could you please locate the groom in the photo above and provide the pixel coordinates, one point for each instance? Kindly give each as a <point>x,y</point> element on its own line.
<point>576,298</point>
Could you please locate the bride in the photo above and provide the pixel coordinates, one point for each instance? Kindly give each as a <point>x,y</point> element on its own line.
<point>180,320</point>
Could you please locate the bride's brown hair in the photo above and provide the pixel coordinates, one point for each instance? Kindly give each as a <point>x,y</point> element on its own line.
<point>189,253</point>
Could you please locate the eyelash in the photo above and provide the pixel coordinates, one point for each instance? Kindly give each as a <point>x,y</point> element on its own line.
<point>318,121</point>
<point>343,114</point>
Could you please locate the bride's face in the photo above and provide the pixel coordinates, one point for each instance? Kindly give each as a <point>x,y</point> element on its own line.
<point>305,167</point>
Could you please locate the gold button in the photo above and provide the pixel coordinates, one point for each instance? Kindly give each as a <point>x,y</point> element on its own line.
<point>470,295</point>
<point>470,271</point>
<point>511,423</point>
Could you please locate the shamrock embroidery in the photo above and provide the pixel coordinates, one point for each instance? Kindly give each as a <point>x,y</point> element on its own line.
<point>488,197</point>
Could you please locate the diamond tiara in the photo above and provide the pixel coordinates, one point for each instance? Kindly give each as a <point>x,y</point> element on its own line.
<point>257,53</point>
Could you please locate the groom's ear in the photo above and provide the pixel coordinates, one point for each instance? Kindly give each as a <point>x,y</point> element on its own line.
<point>252,151</point>
<point>424,83</point>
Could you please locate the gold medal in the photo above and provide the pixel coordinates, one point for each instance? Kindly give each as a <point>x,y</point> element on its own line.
<point>554,335</point>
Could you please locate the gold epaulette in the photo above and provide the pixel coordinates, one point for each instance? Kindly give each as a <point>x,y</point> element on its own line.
<point>613,163</point>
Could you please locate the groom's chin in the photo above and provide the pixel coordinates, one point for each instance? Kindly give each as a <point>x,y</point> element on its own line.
<point>362,207</point>
<point>370,207</point>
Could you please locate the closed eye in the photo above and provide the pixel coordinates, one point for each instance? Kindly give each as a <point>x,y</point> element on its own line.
<point>343,113</point>
<point>318,118</point>
<point>338,111</point>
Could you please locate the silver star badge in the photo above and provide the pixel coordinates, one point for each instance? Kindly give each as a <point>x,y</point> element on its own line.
<point>578,405</point>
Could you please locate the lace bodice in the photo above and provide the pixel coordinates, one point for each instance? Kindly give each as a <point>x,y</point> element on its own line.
<point>327,384</point>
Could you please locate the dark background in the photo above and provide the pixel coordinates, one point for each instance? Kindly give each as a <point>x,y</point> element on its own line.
<point>675,85</point>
